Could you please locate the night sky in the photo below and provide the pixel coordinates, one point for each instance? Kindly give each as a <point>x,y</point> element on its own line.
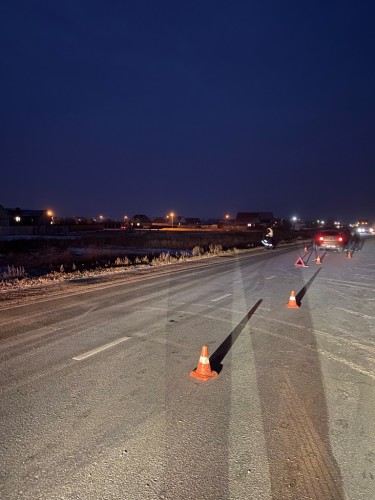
<point>198,107</point>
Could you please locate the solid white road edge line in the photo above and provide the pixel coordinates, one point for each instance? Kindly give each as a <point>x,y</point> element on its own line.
<point>99,349</point>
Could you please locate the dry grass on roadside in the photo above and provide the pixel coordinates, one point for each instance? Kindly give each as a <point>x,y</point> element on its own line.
<point>62,267</point>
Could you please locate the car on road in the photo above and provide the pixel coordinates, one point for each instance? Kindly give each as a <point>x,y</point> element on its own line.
<point>331,239</point>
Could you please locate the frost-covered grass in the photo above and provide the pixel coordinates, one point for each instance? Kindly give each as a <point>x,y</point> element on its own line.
<point>12,272</point>
<point>16,277</point>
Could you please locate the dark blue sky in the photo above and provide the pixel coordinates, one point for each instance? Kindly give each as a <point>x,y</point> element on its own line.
<point>200,107</point>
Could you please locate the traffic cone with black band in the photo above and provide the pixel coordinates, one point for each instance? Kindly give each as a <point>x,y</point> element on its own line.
<point>292,301</point>
<point>203,370</point>
<point>318,261</point>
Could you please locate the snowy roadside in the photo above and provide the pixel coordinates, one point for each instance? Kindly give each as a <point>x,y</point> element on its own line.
<point>19,288</point>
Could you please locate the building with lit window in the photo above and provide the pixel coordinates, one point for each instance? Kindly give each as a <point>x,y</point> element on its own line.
<point>21,217</point>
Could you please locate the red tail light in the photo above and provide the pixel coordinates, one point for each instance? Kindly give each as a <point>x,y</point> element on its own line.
<point>321,238</point>
<point>340,238</point>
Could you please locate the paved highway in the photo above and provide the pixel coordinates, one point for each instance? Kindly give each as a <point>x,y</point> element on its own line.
<point>97,401</point>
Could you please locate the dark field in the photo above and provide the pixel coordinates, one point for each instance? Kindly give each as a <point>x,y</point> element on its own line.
<point>42,255</point>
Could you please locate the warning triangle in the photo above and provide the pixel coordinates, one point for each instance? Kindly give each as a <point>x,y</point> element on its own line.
<point>300,263</point>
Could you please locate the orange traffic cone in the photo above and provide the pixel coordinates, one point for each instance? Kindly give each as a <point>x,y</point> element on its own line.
<point>306,249</point>
<point>292,301</point>
<point>203,370</point>
<point>317,260</point>
<point>349,255</point>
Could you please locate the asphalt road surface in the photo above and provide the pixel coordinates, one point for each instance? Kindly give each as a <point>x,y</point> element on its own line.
<point>97,401</point>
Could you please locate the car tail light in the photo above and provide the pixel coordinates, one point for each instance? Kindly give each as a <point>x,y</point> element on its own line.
<point>321,238</point>
<point>340,238</point>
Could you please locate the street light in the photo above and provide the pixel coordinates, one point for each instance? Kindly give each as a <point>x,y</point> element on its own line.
<point>172,215</point>
<point>50,214</point>
<point>125,223</point>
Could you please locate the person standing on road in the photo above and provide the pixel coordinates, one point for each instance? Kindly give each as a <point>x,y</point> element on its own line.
<point>269,235</point>
<point>354,241</point>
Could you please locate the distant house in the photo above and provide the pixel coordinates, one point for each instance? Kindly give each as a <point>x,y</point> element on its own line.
<point>140,221</point>
<point>161,222</point>
<point>193,222</point>
<point>22,217</point>
<point>254,219</point>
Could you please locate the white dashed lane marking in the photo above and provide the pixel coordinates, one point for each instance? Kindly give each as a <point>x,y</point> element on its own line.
<point>222,297</point>
<point>100,349</point>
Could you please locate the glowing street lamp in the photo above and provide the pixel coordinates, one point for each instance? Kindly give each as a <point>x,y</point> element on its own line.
<point>172,215</point>
<point>50,215</point>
